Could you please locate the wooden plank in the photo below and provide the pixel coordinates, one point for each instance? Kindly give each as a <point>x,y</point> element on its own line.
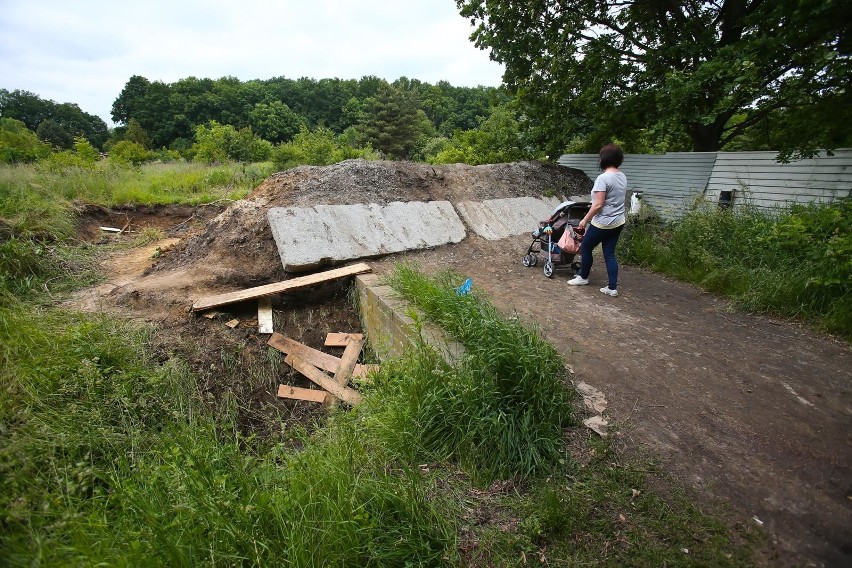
<point>313,356</point>
<point>345,394</point>
<point>333,339</point>
<point>298,393</point>
<point>264,315</point>
<point>348,361</point>
<point>278,287</point>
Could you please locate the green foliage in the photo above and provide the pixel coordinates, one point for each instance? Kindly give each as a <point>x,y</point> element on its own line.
<point>795,261</point>
<point>278,108</point>
<point>392,122</point>
<point>37,199</point>
<point>501,410</point>
<point>32,111</point>
<point>611,69</point>
<point>18,145</point>
<point>497,139</point>
<point>319,147</point>
<point>53,133</point>
<point>127,152</point>
<point>275,121</point>
<point>108,454</point>
<point>216,143</point>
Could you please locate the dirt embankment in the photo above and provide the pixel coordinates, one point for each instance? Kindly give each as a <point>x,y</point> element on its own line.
<point>746,410</point>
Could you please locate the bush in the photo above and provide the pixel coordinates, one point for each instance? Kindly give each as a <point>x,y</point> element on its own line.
<point>320,147</point>
<point>19,145</point>
<point>794,261</point>
<point>127,152</point>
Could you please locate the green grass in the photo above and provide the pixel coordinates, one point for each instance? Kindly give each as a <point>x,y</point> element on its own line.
<point>794,262</point>
<point>501,410</point>
<point>39,200</point>
<point>109,457</point>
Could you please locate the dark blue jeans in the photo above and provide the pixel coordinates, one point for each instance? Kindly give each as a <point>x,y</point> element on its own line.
<point>607,238</point>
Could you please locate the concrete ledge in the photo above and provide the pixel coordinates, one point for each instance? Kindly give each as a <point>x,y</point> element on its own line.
<point>496,219</point>
<point>310,237</point>
<point>388,323</point>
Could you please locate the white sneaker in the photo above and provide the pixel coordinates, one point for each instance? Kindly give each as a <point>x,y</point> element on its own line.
<point>608,292</point>
<point>578,281</point>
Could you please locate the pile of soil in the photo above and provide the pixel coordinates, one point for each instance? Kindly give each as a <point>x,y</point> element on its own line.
<point>238,245</point>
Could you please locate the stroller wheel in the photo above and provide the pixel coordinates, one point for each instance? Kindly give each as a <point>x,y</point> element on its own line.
<point>548,268</point>
<point>533,260</point>
<point>527,260</point>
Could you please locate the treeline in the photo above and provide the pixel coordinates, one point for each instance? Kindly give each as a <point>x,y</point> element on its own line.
<point>57,124</point>
<point>248,121</point>
<point>277,108</point>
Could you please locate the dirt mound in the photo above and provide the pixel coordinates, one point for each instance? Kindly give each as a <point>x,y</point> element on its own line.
<point>237,248</point>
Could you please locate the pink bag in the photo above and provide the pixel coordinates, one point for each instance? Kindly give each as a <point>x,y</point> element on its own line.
<point>569,242</point>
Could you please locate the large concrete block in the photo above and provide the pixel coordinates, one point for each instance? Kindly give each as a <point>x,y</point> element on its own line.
<point>313,236</point>
<point>496,219</point>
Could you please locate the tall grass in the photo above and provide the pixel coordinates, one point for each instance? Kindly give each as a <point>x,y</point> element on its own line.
<point>795,261</point>
<point>501,410</point>
<point>107,456</point>
<point>110,458</point>
<point>39,200</point>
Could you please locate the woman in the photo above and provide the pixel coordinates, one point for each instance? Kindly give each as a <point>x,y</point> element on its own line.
<point>605,219</point>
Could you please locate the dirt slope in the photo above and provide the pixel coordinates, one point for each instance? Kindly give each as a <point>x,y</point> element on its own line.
<point>745,409</point>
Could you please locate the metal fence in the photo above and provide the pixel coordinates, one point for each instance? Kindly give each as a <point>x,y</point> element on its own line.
<point>672,183</point>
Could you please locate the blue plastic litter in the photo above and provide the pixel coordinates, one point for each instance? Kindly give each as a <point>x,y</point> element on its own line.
<point>464,288</point>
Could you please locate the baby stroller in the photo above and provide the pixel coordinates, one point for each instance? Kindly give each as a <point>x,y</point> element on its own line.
<point>568,213</point>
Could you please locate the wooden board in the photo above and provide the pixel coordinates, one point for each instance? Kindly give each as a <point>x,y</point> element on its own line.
<point>354,343</point>
<point>341,339</point>
<point>313,356</point>
<point>348,361</point>
<point>264,315</point>
<point>298,393</point>
<point>277,287</point>
<point>343,393</point>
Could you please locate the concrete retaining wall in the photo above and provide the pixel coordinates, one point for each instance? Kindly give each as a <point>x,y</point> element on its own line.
<point>388,323</point>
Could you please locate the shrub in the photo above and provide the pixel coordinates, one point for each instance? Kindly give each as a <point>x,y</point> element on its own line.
<point>20,145</point>
<point>794,261</point>
<point>127,152</point>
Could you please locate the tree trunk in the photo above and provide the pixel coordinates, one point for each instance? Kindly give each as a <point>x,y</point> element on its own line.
<point>706,137</point>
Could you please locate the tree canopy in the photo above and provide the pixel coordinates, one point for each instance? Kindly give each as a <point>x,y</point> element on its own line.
<point>278,108</point>
<point>689,75</point>
<point>66,119</point>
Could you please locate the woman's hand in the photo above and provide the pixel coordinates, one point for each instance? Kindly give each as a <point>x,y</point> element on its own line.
<point>581,224</point>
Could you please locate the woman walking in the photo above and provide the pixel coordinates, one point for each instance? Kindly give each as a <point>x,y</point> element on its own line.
<point>605,219</point>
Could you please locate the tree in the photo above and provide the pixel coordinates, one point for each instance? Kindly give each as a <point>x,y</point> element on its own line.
<point>619,68</point>
<point>55,134</point>
<point>275,121</point>
<point>217,143</point>
<point>392,122</point>
<point>497,140</point>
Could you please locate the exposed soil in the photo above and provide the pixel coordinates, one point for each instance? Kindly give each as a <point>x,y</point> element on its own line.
<point>745,410</point>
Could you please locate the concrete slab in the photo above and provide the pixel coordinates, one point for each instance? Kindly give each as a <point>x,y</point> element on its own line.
<point>313,236</point>
<point>496,219</point>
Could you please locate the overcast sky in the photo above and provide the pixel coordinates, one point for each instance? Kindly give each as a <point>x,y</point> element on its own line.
<point>84,51</point>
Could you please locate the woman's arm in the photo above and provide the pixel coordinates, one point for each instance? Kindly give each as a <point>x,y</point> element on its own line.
<point>598,199</point>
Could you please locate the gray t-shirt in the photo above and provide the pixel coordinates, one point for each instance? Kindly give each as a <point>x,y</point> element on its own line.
<point>615,186</point>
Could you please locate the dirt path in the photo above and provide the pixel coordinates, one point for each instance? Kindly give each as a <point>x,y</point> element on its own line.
<point>746,409</point>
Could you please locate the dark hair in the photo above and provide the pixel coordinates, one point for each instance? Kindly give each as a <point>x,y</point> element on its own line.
<point>611,156</point>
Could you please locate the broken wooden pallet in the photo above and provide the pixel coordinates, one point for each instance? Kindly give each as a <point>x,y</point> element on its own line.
<point>313,356</point>
<point>278,287</point>
<point>310,362</point>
